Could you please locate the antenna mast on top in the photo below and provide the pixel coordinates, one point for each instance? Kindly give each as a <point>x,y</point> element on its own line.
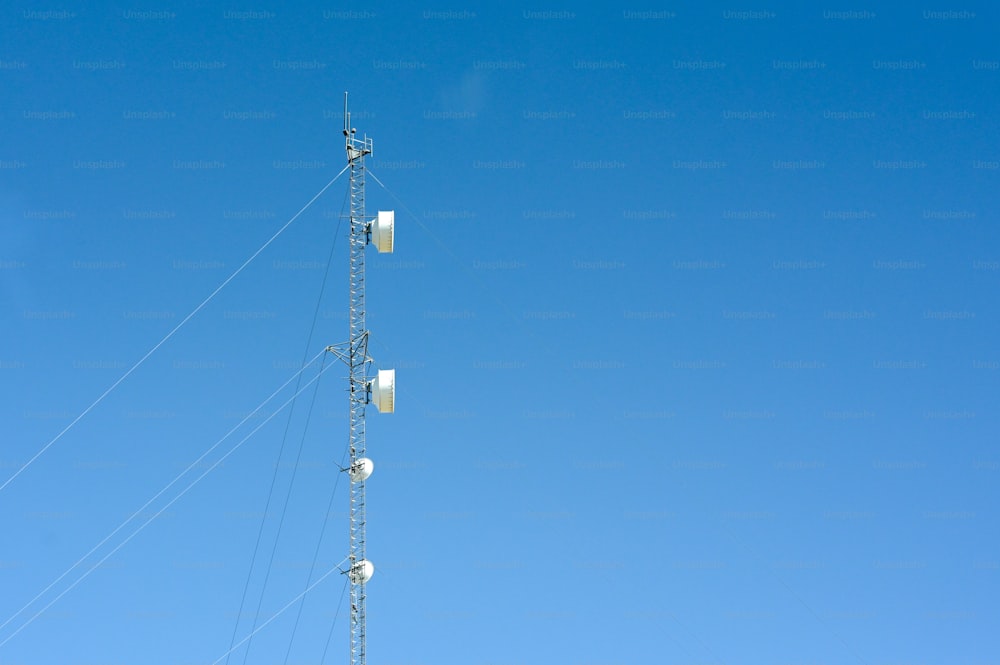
<point>362,390</point>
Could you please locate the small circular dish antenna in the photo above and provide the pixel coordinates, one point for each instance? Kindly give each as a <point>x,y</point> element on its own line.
<point>383,388</point>
<point>383,228</point>
<point>361,571</point>
<point>361,469</point>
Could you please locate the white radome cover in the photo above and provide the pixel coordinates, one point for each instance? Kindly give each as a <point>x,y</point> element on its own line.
<point>383,228</point>
<point>384,390</point>
<point>362,571</point>
<point>361,469</point>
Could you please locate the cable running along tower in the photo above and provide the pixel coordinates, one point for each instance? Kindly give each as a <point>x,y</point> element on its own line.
<point>363,389</point>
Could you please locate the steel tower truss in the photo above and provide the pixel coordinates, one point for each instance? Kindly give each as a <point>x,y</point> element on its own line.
<point>355,354</point>
<point>359,363</point>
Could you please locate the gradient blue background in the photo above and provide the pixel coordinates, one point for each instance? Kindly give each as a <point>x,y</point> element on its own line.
<point>693,313</point>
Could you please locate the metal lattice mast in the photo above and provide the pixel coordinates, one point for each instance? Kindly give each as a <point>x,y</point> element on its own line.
<point>359,362</point>
<point>362,389</point>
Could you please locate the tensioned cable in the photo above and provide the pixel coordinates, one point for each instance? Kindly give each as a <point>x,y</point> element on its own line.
<point>417,220</point>
<point>333,492</point>
<point>282,610</point>
<point>746,547</point>
<point>448,251</point>
<point>281,522</point>
<point>169,334</point>
<point>455,258</point>
<point>277,466</point>
<point>693,634</point>
<point>160,511</point>
<point>160,493</point>
<point>312,566</point>
<point>335,616</point>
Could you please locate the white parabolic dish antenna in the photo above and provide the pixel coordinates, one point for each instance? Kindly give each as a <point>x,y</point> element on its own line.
<point>384,390</point>
<point>383,228</point>
<point>362,469</point>
<point>362,571</point>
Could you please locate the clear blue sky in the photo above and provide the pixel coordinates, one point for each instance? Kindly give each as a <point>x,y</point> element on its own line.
<point>693,311</point>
